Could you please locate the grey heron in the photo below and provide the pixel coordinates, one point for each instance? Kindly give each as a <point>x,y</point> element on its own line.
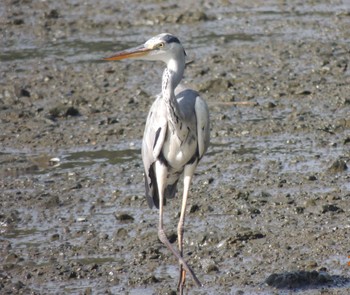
<point>176,135</point>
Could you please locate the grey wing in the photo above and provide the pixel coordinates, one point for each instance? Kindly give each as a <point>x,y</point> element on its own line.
<point>152,144</point>
<point>203,125</point>
<point>190,102</point>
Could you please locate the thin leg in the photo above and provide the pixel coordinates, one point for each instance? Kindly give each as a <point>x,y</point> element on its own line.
<point>161,174</point>
<point>188,173</point>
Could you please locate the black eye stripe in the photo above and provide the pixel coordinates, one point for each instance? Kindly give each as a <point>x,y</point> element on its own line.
<point>171,39</point>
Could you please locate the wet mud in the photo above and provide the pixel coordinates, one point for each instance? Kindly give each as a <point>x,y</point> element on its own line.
<point>268,211</point>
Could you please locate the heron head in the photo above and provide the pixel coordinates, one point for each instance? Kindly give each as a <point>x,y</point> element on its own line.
<point>163,47</point>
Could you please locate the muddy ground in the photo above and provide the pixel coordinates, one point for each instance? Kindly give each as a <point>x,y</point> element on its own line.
<point>269,206</point>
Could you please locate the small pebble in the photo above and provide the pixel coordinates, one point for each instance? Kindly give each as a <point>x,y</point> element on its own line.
<point>124,217</point>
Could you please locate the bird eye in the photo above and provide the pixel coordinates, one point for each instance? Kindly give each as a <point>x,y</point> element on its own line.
<point>161,45</point>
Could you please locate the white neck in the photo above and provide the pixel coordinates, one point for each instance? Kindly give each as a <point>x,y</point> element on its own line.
<point>172,76</point>
<point>176,68</point>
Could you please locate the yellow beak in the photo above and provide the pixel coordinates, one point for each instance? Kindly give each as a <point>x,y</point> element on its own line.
<point>130,53</point>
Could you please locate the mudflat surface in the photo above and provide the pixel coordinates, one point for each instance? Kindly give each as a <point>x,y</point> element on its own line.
<point>269,206</point>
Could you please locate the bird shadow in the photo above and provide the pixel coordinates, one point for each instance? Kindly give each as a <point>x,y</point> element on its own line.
<point>304,280</point>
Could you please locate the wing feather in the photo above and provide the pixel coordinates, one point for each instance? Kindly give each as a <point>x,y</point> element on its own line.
<point>152,143</point>
<point>202,115</point>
